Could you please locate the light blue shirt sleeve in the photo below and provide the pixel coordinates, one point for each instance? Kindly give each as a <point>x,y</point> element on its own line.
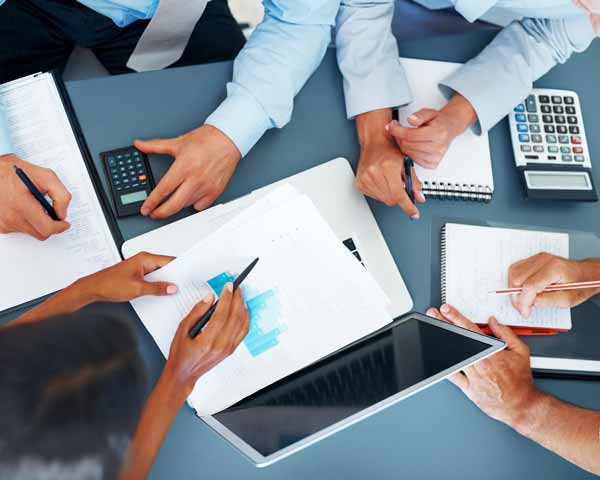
<point>367,55</point>
<point>5,142</point>
<point>502,75</point>
<point>279,57</point>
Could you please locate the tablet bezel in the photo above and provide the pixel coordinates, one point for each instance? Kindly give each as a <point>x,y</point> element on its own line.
<point>494,346</point>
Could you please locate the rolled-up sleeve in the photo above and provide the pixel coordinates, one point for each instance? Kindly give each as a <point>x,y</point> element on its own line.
<point>279,57</point>
<point>367,55</point>
<point>502,75</point>
<point>5,142</point>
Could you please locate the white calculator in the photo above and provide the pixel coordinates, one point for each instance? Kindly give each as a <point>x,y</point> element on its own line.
<point>550,146</point>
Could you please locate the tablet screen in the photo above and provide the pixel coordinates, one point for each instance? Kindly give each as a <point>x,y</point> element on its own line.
<point>346,383</point>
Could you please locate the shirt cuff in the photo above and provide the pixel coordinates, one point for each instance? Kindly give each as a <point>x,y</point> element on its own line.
<point>241,117</point>
<point>6,145</point>
<point>383,88</point>
<point>481,90</point>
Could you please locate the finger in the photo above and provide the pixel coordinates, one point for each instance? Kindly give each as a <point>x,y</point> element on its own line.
<point>396,185</point>
<point>50,184</point>
<point>203,203</point>
<point>158,288</point>
<point>460,380</point>
<point>197,311</point>
<point>561,299</point>
<point>183,197</point>
<point>435,313</point>
<point>237,315</point>
<point>375,186</point>
<point>163,146</point>
<point>41,222</point>
<point>520,271</point>
<point>222,311</point>
<point>422,116</point>
<point>165,187</point>
<point>417,187</point>
<point>397,131</point>
<point>152,262</point>
<point>533,286</point>
<point>506,334</point>
<point>457,318</point>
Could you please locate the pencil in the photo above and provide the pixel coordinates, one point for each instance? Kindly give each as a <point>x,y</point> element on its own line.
<point>557,287</point>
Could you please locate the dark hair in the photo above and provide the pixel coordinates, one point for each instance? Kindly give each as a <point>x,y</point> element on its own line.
<point>71,392</point>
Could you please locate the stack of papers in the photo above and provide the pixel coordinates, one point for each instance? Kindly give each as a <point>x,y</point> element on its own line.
<point>308,296</point>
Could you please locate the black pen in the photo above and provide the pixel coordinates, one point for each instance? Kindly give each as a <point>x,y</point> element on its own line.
<point>203,320</point>
<point>408,164</point>
<point>36,193</point>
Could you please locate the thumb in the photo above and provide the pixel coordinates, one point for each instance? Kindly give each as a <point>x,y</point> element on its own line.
<point>158,288</point>
<point>165,146</point>
<point>396,130</point>
<point>422,116</point>
<point>506,334</point>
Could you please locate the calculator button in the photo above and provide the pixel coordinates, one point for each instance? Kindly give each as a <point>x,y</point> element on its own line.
<point>579,158</point>
<point>567,158</point>
<point>126,180</point>
<point>549,128</point>
<point>119,156</point>
<point>570,110</point>
<point>523,137</point>
<point>534,128</point>
<point>559,119</point>
<point>577,150</point>
<point>565,149</point>
<point>547,118</point>
<point>533,118</point>
<point>538,148</point>
<point>576,139</point>
<point>522,127</point>
<point>119,189</point>
<point>556,99</point>
<point>135,185</point>
<point>558,109</point>
<point>141,177</point>
<point>520,117</point>
<point>573,130</point>
<point>553,149</point>
<point>526,148</point>
<point>561,129</point>
<point>138,165</point>
<point>572,120</point>
<point>112,162</point>
<point>563,138</point>
<point>530,104</point>
<point>544,99</point>
<point>551,138</point>
<point>546,109</point>
<point>569,100</point>
<point>536,138</point>
<point>520,108</point>
<point>117,182</point>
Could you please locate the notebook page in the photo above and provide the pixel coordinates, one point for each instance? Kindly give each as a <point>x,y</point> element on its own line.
<point>468,159</point>
<point>477,262</point>
<point>42,135</point>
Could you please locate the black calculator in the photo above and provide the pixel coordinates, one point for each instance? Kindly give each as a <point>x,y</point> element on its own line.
<point>130,179</point>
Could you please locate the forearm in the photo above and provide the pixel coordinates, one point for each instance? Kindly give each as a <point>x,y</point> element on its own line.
<point>370,126</point>
<point>589,272</point>
<point>567,430</point>
<point>461,113</point>
<point>160,411</point>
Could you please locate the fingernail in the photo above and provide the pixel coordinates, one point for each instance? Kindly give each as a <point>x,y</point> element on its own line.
<point>387,127</point>
<point>414,118</point>
<point>144,211</point>
<point>172,289</point>
<point>229,287</point>
<point>445,308</point>
<point>207,298</point>
<point>430,312</point>
<point>416,216</point>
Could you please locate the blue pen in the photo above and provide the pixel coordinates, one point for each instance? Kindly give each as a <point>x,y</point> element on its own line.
<point>408,164</point>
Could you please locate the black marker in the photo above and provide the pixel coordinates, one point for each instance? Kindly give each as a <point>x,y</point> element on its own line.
<point>408,164</point>
<point>36,193</point>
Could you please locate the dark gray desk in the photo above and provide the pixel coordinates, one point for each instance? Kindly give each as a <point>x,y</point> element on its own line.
<point>437,433</point>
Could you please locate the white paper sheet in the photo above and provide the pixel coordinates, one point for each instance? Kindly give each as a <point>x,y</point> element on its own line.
<point>41,134</point>
<point>308,296</point>
<point>477,263</point>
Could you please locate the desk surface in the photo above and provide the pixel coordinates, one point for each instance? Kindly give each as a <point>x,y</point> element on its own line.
<point>438,423</point>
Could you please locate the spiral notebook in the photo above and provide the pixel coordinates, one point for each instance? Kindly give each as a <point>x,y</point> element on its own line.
<point>475,262</point>
<point>466,171</point>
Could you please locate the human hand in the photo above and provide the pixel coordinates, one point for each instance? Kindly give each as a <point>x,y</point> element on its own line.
<point>535,273</point>
<point>20,211</point>
<point>190,358</point>
<point>380,173</point>
<point>433,131</point>
<point>125,280</point>
<point>205,159</point>
<point>500,385</point>
<point>592,9</point>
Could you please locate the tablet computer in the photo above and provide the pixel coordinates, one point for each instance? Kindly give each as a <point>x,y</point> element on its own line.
<point>406,356</point>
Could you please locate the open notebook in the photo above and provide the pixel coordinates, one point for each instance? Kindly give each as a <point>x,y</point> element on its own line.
<point>475,262</point>
<point>466,171</point>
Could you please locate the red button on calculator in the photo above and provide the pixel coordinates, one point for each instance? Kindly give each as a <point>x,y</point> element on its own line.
<point>577,150</point>
<point>576,139</point>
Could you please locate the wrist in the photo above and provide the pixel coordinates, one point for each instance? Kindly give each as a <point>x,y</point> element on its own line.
<point>177,385</point>
<point>589,271</point>
<point>530,417</point>
<point>221,141</point>
<point>370,127</point>
<point>461,114</point>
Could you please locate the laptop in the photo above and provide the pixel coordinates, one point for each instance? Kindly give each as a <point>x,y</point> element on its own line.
<point>331,188</point>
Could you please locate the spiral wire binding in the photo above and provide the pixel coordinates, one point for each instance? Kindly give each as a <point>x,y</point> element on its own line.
<point>456,191</point>
<point>443,264</point>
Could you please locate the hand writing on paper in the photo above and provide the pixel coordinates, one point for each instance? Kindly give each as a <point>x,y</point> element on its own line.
<point>20,211</point>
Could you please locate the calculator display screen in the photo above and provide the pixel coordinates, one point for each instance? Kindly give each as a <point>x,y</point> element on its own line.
<point>134,197</point>
<point>558,180</point>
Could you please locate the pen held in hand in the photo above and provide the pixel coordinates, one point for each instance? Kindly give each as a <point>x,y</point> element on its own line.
<point>36,193</point>
<point>552,288</point>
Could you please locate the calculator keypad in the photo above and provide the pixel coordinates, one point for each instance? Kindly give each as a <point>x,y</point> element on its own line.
<point>548,129</point>
<point>127,171</point>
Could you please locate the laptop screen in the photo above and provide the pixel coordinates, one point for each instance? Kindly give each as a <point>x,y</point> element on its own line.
<point>346,383</point>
